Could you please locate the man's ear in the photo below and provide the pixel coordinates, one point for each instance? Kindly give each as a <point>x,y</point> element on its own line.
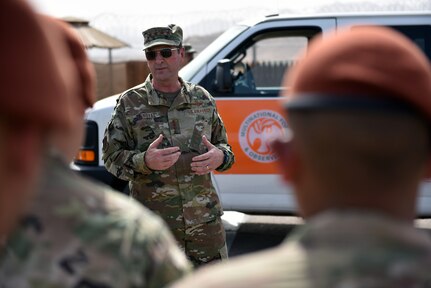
<point>288,160</point>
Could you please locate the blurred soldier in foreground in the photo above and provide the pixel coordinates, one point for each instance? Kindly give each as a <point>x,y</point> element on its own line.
<point>30,81</point>
<point>78,233</point>
<point>166,137</point>
<point>359,107</point>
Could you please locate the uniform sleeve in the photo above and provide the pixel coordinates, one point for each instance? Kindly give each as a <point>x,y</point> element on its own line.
<point>169,263</point>
<point>219,139</point>
<point>155,252</point>
<point>120,155</point>
<point>141,244</point>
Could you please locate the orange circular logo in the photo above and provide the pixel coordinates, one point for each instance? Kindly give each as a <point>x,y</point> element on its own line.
<point>256,132</point>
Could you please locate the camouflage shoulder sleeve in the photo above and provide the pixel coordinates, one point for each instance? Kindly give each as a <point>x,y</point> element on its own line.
<point>120,155</point>
<point>168,262</point>
<point>89,236</point>
<point>136,239</point>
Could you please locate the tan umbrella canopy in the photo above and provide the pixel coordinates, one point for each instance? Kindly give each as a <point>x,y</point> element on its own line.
<point>94,38</point>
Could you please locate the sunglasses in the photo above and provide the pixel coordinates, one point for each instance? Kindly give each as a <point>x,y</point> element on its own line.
<point>165,52</point>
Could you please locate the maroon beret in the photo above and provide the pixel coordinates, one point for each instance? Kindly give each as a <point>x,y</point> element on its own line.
<point>368,62</point>
<point>77,54</point>
<point>34,85</point>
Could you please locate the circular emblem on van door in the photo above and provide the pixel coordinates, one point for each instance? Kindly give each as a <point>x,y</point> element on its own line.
<point>257,130</point>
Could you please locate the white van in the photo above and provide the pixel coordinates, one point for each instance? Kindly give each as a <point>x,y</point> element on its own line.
<point>243,70</point>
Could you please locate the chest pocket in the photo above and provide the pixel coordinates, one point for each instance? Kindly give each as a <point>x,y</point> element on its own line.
<point>147,126</point>
<point>188,126</point>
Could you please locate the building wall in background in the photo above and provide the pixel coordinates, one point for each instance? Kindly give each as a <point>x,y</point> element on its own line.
<point>118,77</point>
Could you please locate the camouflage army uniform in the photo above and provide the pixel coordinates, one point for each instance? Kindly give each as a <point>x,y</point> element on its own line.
<point>80,234</point>
<point>187,202</point>
<point>333,250</point>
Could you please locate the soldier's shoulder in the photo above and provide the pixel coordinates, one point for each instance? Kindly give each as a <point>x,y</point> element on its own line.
<point>110,200</point>
<point>258,267</point>
<point>117,202</point>
<point>92,197</point>
<point>192,87</point>
<point>110,230</point>
<point>140,91</point>
<point>93,206</point>
<point>198,93</point>
<point>129,210</point>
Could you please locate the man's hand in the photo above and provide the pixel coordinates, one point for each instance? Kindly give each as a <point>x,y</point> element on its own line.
<point>161,159</point>
<point>208,161</point>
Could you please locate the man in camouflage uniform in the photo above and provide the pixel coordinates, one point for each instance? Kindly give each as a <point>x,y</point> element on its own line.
<point>166,137</point>
<point>77,233</point>
<point>360,147</point>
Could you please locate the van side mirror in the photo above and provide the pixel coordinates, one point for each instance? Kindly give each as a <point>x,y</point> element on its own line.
<point>224,79</point>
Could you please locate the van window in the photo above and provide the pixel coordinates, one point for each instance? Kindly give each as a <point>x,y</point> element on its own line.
<point>261,61</point>
<point>261,71</point>
<point>419,34</point>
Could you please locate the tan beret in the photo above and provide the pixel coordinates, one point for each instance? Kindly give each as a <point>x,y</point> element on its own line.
<point>362,62</point>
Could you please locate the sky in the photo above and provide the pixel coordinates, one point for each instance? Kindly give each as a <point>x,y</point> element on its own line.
<point>126,19</point>
<point>93,8</point>
<point>191,11</point>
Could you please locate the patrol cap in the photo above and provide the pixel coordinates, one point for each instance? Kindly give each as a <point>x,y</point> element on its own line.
<point>188,48</point>
<point>366,67</point>
<point>171,35</point>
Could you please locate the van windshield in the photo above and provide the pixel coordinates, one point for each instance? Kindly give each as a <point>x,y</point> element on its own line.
<point>190,70</point>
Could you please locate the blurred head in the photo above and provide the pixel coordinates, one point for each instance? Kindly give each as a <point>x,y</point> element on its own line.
<point>189,53</point>
<point>360,128</point>
<point>33,102</point>
<point>68,141</point>
<point>164,52</point>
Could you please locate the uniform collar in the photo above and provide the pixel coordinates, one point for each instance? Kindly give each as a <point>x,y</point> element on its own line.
<point>154,99</point>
